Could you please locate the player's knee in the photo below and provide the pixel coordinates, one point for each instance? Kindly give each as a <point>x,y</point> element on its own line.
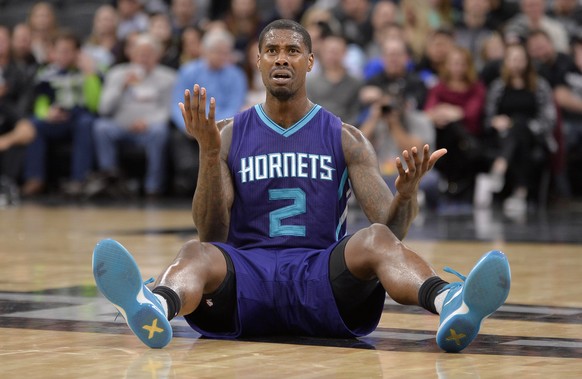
<point>381,234</point>
<point>378,239</point>
<point>192,249</point>
<point>202,255</point>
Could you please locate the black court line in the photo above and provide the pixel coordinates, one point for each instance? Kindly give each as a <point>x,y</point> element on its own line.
<point>515,312</point>
<point>385,339</point>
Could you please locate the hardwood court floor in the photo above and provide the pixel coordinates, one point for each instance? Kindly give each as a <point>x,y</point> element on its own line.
<point>54,324</point>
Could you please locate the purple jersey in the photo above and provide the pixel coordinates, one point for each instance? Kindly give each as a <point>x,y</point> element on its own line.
<point>289,212</point>
<point>290,185</point>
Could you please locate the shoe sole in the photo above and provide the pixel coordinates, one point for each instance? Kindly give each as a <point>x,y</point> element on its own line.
<point>119,280</point>
<point>484,291</point>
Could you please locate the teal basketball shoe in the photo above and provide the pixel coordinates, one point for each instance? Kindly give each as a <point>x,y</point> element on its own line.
<point>469,302</point>
<point>119,280</point>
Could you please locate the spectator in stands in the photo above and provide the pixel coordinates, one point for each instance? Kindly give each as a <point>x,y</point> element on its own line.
<point>390,126</point>
<point>161,29</point>
<point>66,97</point>
<point>568,95</point>
<point>16,77</point>
<point>354,59</point>
<point>500,12</point>
<point>569,14</point>
<point>384,15</point>
<point>123,52</point>
<point>132,18</point>
<point>354,17</point>
<point>215,72</point>
<point>256,90</point>
<point>472,30</point>
<point>13,105</point>
<point>493,54</point>
<point>22,49</point>
<point>183,14</point>
<point>416,25</point>
<point>521,111</point>
<point>333,87</point>
<point>288,9</point>
<point>244,23</point>
<point>533,17</point>
<point>43,25</point>
<point>396,78</point>
<point>315,15</point>
<point>317,31</point>
<point>455,106</point>
<point>439,44</point>
<point>375,64</point>
<point>222,80</point>
<point>548,62</point>
<point>402,94</point>
<point>134,109</point>
<point>154,6</point>
<point>443,14</point>
<point>191,44</point>
<point>493,48</point>
<point>102,43</point>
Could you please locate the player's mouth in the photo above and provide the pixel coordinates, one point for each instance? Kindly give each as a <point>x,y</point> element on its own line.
<point>281,76</point>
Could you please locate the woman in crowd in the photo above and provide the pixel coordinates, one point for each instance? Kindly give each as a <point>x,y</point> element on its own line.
<point>102,43</point>
<point>520,110</point>
<point>455,105</point>
<point>43,25</point>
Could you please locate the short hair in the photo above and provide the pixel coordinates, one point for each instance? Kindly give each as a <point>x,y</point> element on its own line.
<point>67,35</point>
<point>539,33</point>
<point>445,32</point>
<point>148,39</point>
<point>285,24</point>
<point>215,36</point>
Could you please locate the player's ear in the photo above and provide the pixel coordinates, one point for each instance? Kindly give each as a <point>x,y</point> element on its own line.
<point>311,59</point>
<point>258,59</point>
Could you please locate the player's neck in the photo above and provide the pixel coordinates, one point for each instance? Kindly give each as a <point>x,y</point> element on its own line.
<point>288,112</point>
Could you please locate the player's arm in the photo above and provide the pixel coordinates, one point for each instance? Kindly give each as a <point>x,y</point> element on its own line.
<point>214,192</point>
<point>375,198</point>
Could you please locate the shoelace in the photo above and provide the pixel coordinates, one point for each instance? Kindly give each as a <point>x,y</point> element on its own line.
<point>150,280</point>
<point>453,285</point>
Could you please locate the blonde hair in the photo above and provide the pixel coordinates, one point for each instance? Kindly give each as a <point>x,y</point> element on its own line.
<point>416,31</point>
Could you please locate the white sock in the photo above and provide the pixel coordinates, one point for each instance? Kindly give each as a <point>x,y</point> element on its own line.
<point>164,303</point>
<point>439,301</point>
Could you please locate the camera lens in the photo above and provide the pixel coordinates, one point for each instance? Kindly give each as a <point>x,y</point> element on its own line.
<point>386,108</point>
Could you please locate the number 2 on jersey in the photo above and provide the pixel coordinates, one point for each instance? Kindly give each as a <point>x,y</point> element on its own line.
<point>276,229</point>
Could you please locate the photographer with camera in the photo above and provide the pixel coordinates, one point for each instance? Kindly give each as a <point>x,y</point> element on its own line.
<point>392,125</point>
<point>393,121</point>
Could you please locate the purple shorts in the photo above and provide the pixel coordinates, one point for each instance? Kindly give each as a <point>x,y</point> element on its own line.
<point>288,292</point>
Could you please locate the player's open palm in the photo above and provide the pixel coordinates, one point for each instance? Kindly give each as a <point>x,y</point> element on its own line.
<point>200,126</point>
<point>416,166</point>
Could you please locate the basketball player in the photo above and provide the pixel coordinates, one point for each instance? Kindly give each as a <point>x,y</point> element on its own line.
<point>270,208</point>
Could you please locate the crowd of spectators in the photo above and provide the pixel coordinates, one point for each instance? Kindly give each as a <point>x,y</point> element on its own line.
<point>498,83</point>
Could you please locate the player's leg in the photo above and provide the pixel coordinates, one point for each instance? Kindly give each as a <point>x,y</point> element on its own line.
<point>198,268</point>
<point>375,252</point>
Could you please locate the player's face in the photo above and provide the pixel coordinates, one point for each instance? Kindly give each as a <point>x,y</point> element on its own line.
<point>284,62</point>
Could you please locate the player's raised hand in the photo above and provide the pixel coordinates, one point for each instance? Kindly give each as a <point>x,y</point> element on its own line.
<point>200,126</point>
<point>416,166</point>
